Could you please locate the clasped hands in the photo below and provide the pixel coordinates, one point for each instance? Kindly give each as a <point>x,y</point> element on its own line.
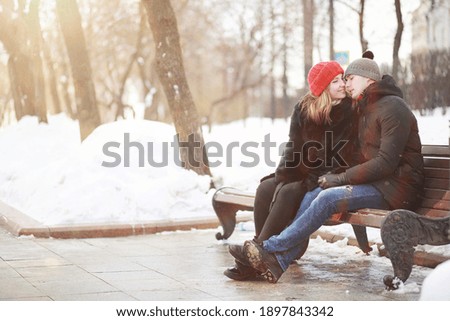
<point>332,180</point>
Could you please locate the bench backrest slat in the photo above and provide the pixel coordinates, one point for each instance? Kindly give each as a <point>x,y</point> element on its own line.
<point>437,194</point>
<point>436,204</point>
<point>434,162</point>
<point>436,201</point>
<point>437,172</point>
<point>437,183</point>
<point>436,150</point>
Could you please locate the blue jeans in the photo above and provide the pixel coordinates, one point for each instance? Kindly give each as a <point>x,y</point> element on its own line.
<point>316,207</point>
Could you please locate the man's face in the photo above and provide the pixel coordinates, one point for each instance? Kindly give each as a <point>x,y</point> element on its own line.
<point>355,85</point>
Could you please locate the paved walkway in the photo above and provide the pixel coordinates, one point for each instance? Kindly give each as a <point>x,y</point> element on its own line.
<point>170,266</point>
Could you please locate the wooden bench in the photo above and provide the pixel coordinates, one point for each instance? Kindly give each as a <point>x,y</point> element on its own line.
<point>435,205</point>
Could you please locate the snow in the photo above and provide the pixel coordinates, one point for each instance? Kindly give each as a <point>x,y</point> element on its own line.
<point>436,285</point>
<point>46,173</point>
<point>339,254</point>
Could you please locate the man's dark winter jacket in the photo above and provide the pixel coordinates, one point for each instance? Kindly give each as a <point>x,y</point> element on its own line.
<point>389,145</point>
<point>311,151</point>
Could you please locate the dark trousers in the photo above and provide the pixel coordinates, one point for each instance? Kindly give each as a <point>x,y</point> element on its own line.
<point>275,206</point>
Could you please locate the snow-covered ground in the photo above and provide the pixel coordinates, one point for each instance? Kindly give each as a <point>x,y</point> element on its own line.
<point>46,173</point>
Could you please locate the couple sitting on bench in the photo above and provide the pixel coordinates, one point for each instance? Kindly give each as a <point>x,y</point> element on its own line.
<point>374,160</point>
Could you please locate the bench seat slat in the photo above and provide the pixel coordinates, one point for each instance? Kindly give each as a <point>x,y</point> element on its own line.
<point>235,199</point>
<point>358,218</point>
<point>235,191</point>
<point>373,211</point>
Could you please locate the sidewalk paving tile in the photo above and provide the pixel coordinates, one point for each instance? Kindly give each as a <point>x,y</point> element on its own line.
<point>173,267</point>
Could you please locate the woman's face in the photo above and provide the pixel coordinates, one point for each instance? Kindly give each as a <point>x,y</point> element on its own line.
<point>337,88</point>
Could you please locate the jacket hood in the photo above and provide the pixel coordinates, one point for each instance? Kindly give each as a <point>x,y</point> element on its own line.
<point>385,87</point>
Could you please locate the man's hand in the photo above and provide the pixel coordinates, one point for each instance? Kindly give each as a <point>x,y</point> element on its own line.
<point>331,180</point>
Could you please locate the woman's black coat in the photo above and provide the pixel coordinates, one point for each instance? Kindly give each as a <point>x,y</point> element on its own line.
<point>314,150</point>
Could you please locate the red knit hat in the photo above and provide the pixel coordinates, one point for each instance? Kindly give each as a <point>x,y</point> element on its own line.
<point>321,74</point>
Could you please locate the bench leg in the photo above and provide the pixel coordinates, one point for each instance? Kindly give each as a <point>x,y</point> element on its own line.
<point>361,237</point>
<point>227,218</point>
<point>401,231</point>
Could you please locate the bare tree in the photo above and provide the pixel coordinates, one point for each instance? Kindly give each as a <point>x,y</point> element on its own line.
<point>38,73</point>
<point>51,79</point>
<point>241,55</point>
<point>364,42</point>
<point>308,32</point>
<point>17,22</point>
<point>57,69</point>
<point>397,40</point>
<point>151,108</point>
<point>360,13</point>
<point>284,78</point>
<point>114,60</point>
<point>170,69</point>
<point>242,69</point>
<point>119,97</point>
<point>70,22</point>
<point>331,15</point>
<point>66,83</point>
<point>273,104</point>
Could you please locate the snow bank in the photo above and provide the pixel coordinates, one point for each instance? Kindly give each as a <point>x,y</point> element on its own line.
<point>54,179</point>
<point>436,286</point>
<point>46,173</point>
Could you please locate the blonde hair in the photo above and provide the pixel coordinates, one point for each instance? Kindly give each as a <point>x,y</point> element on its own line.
<point>318,108</point>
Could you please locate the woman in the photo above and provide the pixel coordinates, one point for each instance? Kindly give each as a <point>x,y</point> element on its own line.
<point>319,138</point>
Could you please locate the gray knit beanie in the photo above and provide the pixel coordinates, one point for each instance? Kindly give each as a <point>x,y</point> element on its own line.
<point>364,67</point>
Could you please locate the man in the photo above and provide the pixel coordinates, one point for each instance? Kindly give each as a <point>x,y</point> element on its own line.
<point>389,174</point>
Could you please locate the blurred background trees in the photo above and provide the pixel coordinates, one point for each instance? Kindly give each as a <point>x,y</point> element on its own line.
<point>240,58</point>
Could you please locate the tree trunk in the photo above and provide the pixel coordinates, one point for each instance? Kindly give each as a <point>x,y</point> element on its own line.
<point>152,84</point>
<point>151,111</point>
<point>364,42</point>
<point>52,83</point>
<point>70,21</point>
<point>273,104</point>
<point>135,58</point>
<point>284,77</point>
<point>285,84</point>
<point>38,73</point>
<point>170,69</point>
<point>14,36</point>
<point>15,88</point>
<point>331,14</point>
<point>70,106</point>
<point>308,31</point>
<point>397,40</point>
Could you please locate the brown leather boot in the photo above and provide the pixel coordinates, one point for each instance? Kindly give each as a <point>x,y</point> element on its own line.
<point>264,262</point>
<point>241,272</point>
